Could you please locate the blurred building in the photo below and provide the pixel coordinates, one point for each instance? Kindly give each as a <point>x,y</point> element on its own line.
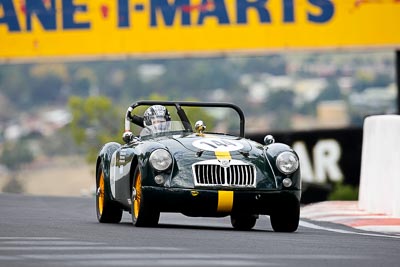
<point>332,114</point>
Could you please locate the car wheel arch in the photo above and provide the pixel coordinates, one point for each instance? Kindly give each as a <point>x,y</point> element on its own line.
<point>132,170</point>
<point>103,161</point>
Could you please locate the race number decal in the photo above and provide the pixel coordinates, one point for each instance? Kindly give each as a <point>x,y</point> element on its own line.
<point>216,144</point>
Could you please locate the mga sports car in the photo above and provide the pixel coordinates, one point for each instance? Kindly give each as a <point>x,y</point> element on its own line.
<point>183,167</point>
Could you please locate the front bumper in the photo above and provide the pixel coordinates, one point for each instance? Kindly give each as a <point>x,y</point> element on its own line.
<point>215,203</point>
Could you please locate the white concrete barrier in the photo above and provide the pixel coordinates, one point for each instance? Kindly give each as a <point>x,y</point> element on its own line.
<point>380,165</point>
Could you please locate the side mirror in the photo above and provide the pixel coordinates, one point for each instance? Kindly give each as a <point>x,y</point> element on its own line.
<point>269,139</point>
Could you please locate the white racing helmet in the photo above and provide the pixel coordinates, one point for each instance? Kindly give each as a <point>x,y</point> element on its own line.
<point>156,116</point>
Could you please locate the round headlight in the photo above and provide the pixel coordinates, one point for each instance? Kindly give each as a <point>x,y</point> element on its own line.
<point>287,162</point>
<point>160,159</point>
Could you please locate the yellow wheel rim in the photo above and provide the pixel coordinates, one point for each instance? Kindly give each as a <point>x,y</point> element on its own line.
<point>136,201</point>
<point>101,193</point>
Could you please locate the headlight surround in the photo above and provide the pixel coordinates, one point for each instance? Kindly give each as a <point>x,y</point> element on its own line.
<point>160,159</point>
<point>287,162</point>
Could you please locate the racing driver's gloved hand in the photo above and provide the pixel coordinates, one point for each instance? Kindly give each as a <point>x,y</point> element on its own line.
<point>127,137</point>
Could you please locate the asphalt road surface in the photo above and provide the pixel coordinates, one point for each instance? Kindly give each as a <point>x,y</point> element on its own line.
<point>56,231</point>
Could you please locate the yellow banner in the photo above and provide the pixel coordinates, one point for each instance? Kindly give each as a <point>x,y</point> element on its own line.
<point>71,28</point>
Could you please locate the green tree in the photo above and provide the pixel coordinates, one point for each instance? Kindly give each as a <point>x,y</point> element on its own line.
<point>280,100</point>
<point>16,154</point>
<point>331,92</point>
<point>344,192</point>
<point>13,156</point>
<point>95,121</point>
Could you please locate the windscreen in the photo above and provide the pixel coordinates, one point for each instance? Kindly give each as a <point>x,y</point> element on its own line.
<point>164,128</point>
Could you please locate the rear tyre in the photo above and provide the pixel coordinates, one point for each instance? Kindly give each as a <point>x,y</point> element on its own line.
<point>287,219</point>
<point>107,211</point>
<point>143,215</point>
<point>243,222</point>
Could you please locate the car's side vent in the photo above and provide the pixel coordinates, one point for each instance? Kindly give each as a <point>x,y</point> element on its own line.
<point>235,174</point>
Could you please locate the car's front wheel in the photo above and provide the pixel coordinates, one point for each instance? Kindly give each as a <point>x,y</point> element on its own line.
<point>142,213</point>
<point>243,222</point>
<point>107,211</point>
<point>287,219</point>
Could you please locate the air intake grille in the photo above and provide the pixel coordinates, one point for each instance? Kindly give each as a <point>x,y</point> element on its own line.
<point>238,175</point>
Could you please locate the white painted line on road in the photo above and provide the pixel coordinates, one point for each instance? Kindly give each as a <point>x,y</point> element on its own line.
<point>8,258</point>
<point>319,213</point>
<point>49,243</point>
<point>144,256</point>
<point>30,238</point>
<point>177,259</point>
<point>388,229</point>
<point>314,226</point>
<point>174,262</point>
<point>86,248</point>
<point>345,218</point>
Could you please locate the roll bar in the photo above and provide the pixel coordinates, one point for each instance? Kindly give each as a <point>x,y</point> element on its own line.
<point>129,117</point>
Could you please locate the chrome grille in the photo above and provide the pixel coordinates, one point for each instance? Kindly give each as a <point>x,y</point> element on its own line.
<point>211,173</point>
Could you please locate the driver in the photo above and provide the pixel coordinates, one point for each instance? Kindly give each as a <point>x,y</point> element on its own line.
<point>155,118</point>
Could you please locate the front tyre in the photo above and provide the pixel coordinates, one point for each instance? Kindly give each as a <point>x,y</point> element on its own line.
<point>287,219</point>
<point>107,211</point>
<point>142,213</point>
<point>243,222</point>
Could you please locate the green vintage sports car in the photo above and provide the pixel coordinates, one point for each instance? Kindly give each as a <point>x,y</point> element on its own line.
<point>183,167</point>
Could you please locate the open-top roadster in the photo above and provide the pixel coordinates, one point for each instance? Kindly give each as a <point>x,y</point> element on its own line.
<point>182,167</point>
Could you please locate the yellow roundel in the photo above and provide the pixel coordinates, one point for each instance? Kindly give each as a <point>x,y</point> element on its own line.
<point>194,193</point>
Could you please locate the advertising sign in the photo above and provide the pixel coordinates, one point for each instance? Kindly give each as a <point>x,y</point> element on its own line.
<point>46,28</point>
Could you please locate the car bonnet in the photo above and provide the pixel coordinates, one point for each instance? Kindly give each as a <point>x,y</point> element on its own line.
<point>211,142</point>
